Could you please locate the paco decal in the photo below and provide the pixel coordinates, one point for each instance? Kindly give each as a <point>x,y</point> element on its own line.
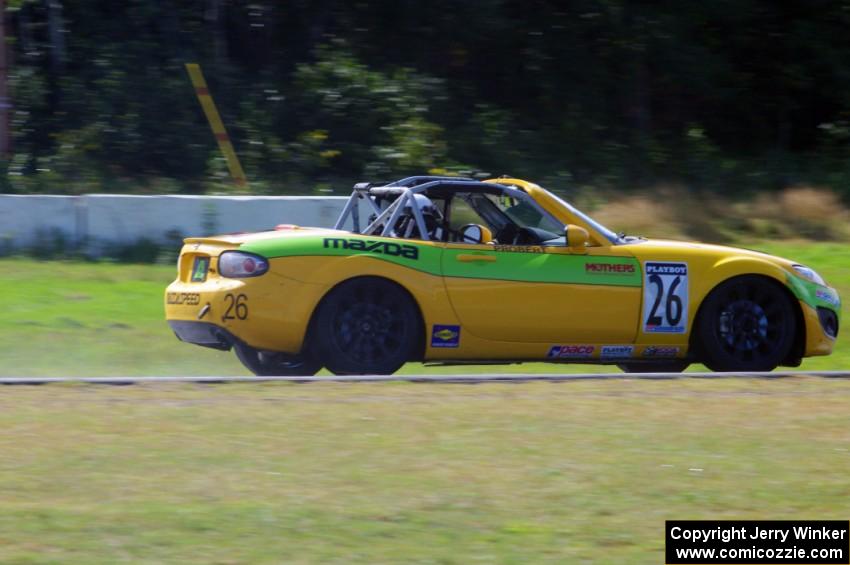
<point>570,351</point>
<point>445,336</point>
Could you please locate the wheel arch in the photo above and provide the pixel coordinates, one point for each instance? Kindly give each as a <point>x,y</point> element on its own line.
<point>420,351</point>
<point>774,277</point>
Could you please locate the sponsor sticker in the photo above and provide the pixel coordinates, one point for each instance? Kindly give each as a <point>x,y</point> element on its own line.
<point>199,269</point>
<point>617,351</point>
<point>519,248</point>
<point>609,269</point>
<point>660,351</point>
<point>445,336</point>
<point>665,297</point>
<point>187,298</point>
<point>570,351</point>
<point>830,297</point>
<point>379,247</point>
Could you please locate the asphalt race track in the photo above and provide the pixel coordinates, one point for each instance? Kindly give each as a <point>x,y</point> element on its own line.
<point>447,379</point>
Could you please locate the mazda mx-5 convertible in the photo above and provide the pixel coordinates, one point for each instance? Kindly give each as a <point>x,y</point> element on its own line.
<point>454,270</point>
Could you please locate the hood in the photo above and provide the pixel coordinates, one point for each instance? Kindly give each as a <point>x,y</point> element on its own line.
<point>654,247</point>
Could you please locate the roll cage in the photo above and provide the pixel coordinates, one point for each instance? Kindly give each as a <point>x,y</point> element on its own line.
<point>387,203</point>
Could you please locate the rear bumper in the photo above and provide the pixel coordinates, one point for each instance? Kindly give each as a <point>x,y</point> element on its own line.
<point>204,334</point>
<point>268,313</point>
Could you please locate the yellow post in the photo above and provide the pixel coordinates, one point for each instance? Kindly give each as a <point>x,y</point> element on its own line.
<point>224,144</point>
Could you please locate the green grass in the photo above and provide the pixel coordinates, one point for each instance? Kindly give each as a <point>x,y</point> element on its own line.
<point>93,319</point>
<point>96,319</point>
<point>582,472</point>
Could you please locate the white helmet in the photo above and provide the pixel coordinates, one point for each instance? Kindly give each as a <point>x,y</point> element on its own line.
<point>424,204</point>
<point>430,214</point>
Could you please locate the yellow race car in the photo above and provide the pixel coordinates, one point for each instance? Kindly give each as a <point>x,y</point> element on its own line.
<point>454,270</point>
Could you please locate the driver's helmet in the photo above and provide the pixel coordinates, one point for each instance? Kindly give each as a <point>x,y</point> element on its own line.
<point>425,205</point>
<point>430,214</point>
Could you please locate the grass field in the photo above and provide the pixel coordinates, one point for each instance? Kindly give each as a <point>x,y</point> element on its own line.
<point>580,472</point>
<point>102,319</point>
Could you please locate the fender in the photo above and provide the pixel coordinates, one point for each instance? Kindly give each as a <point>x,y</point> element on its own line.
<point>729,267</point>
<point>321,274</point>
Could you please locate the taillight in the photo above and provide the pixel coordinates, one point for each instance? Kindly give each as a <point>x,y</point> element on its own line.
<point>238,265</point>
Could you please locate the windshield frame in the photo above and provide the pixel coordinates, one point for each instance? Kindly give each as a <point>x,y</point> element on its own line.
<point>548,199</point>
<point>531,205</point>
<point>607,233</point>
<point>480,200</point>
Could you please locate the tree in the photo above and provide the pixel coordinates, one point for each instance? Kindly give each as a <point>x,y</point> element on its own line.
<point>5,100</point>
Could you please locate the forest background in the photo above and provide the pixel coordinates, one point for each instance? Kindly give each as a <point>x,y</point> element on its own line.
<point>709,102</point>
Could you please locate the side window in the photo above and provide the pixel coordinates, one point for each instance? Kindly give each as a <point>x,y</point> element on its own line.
<point>461,214</point>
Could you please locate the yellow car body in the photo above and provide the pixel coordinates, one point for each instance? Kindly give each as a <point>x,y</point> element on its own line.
<point>593,302</point>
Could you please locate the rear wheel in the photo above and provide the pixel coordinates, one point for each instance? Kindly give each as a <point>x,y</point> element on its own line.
<point>746,324</point>
<point>269,364</point>
<point>655,367</point>
<point>366,326</point>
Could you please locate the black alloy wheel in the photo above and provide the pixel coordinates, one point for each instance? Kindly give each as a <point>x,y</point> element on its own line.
<point>746,324</point>
<point>270,364</point>
<point>366,325</point>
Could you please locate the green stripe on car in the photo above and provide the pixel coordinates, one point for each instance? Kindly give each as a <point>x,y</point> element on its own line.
<point>495,264</point>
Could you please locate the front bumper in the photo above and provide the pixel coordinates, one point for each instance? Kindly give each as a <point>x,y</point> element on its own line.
<point>821,308</point>
<point>819,339</point>
<point>204,334</point>
<point>828,321</point>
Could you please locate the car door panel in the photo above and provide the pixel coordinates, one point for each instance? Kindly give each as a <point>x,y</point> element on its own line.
<point>543,294</point>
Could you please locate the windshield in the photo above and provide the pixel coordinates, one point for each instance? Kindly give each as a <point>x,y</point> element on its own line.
<point>526,215</point>
<point>609,235</point>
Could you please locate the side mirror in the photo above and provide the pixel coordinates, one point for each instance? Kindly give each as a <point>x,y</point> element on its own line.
<point>576,238</point>
<point>471,233</point>
<point>474,233</point>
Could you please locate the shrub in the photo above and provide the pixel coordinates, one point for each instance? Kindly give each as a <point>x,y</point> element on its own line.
<point>815,213</point>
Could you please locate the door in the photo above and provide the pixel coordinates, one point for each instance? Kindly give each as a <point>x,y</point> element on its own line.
<point>544,294</point>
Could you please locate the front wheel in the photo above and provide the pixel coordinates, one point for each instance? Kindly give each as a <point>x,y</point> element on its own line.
<point>746,324</point>
<point>269,364</point>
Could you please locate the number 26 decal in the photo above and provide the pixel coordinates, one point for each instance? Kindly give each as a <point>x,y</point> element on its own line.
<point>665,297</point>
<point>237,307</point>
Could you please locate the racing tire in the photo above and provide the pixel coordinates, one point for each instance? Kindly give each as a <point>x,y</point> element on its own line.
<point>368,326</point>
<point>746,324</point>
<point>269,364</point>
<point>655,367</point>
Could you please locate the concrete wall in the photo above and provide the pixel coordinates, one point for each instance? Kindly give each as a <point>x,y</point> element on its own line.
<point>99,220</point>
<point>24,218</point>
